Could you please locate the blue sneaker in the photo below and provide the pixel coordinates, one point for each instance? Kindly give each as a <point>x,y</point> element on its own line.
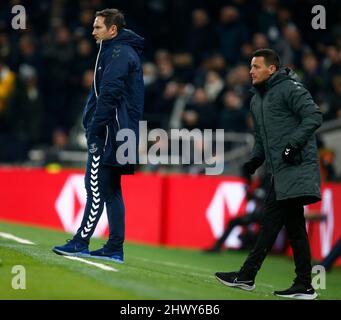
<point>73,248</point>
<point>105,253</point>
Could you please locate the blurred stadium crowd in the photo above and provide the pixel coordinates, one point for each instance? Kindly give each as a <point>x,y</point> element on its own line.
<point>196,63</point>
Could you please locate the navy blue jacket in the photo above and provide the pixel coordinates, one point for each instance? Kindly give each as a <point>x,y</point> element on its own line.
<point>117,97</point>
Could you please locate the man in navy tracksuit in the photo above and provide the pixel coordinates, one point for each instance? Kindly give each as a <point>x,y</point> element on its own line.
<point>115,102</point>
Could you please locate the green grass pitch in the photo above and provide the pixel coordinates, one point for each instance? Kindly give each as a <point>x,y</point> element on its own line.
<point>149,272</point>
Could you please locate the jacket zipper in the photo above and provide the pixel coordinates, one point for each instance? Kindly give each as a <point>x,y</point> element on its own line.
<point>99,51</point>
<point>118,123</point>
<point>96,93</point>
<point>106,137</point>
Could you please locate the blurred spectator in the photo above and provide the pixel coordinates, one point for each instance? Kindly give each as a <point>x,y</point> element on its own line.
<point>334,99</point>
<point>84,28</point>
<point>238,79</point>
<point>202,36</point>
<point>331,65</point>
<point>79,98</point>
<point>7,85</point>
<point>165,68</point>
<point>291,47</point>
<point>164,106</point>
<point>213,85</point>
<point>267,19</point>
<point>284,17</point>
<point>28,54</point>
<point>84,59</point>
<point>232,34</point>
<point>59,57</point>
<point>260,41</point>
<point>246,52</point>
<point>200,112</point>
<point>312,77</point>
<point>215,62</point>
<point>5,47</point>
<point>183,64</point>
<point>150,87</point>
<point>25,114</point>
<point>60,142</point>
<point>232,118</point>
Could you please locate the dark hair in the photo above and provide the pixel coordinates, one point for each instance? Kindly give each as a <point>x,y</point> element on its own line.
<point>270,57</point>
<point>112,17</point>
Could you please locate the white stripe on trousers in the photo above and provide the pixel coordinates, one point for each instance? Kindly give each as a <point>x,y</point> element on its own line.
<point>95,195</point>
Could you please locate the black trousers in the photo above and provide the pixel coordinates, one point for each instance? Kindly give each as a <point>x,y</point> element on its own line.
<point>103,187</point>
<point>288,213</point>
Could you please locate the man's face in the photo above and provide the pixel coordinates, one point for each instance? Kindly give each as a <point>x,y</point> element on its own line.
<point>101,32</point>
<point>260,71</point>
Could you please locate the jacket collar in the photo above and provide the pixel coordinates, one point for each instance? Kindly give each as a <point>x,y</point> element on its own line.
<point>282,74</point>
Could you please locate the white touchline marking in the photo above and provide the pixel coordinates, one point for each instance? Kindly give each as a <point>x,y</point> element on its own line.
<point>14,238</point>
<point>172,264</point>
<point>98,265</point>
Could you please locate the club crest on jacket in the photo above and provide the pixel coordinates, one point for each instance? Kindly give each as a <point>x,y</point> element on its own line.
<point>93,148</point>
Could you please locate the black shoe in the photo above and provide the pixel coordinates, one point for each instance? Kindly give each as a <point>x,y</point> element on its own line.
<point>236,280</point>
<point>72,247</point>
<point>108,253</point>
<point>298,291</point>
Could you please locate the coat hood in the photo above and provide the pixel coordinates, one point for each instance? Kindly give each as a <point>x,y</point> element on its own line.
<point>282,74</point>
<point>127,37</point>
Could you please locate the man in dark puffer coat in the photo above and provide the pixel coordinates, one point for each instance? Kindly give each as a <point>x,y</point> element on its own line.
<point>285,120</point>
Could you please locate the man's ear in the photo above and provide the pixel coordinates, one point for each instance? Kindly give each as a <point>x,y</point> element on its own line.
<point>113,30</point>
<point>273,69</point>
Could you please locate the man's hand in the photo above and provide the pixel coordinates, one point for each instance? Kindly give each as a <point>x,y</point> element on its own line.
<point>291,155</point>
<point>251,166</point>
<point>95,144</point>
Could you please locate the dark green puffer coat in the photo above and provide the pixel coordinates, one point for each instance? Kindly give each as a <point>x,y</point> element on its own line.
<point>284,112</point>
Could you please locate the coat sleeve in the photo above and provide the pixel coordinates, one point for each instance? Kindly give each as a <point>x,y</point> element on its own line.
<point>90,102</point>
<point>301,103</point>
<point>258,148</point>
<point>111,89</point>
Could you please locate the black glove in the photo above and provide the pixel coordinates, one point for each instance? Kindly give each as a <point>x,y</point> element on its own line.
<point>291,155</point>
<point>251,166</point>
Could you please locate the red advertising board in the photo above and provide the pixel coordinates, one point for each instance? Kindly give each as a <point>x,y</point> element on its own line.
<point>57,200</point>
<point>199,207</point>
<point>174,210</point>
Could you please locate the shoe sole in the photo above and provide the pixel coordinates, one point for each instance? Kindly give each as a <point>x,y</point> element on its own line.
<point>299,296</point>
<point>107,259</point>
<point>242,286</point>
<point>70,254</point>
